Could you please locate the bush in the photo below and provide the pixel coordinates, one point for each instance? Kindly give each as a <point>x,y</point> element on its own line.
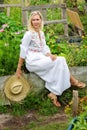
<point>11,33</point>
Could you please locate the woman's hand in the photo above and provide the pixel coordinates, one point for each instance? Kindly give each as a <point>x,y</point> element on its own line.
<point>53,57</point>
<point>18,72</point>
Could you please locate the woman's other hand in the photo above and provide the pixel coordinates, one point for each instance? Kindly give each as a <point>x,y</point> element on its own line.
<point>53,57</point>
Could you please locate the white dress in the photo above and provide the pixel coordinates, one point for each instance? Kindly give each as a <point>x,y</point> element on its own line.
<point>55,73</point>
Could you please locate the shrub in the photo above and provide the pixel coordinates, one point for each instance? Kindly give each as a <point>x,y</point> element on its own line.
<point>11,33</point>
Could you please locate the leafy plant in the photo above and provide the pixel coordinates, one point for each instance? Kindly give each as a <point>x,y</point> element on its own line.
<point>40,103</point>
<point>80,122</point>
<point>10,34</point>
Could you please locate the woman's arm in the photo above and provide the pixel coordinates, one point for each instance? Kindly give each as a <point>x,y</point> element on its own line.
<point>19,71</point>
<point>23,51</point>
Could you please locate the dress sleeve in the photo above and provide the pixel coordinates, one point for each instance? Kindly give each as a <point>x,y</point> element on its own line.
<point>46,49</point>
<point>25,44</point>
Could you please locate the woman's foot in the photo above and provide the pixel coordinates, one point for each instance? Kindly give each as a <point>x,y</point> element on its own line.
<point>54,100</point>
<point>79,84</point>
<point>75,82</point>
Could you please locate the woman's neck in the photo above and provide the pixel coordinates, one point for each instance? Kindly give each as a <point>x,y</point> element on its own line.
<point>37,30</point>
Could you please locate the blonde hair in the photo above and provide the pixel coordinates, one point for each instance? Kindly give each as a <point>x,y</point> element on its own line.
<point>30,27</point>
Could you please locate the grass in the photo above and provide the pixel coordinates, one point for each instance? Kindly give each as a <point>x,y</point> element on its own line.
<point>51,126</point>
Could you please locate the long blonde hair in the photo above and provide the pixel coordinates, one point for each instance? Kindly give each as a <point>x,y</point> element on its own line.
<point>30,27</point>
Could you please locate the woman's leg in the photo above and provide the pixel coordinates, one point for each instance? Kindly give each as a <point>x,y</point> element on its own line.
<point>75,82</point>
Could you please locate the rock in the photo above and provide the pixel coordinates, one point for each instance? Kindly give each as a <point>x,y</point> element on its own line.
<point>37,84</point>
<point>80,73</point>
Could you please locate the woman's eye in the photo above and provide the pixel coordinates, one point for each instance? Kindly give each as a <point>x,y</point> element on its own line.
<point>37,19</point>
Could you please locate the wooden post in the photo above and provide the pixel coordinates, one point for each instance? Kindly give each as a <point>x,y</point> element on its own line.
<point>24,14</point>
<point>8,11</point>
<point>64,17</point>
<point>1,2</point>
<point>75,103</point>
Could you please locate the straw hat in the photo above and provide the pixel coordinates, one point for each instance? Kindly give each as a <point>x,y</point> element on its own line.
<point>16,89</point>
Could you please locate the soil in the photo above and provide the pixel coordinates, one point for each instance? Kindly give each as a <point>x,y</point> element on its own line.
<point>18,123</point>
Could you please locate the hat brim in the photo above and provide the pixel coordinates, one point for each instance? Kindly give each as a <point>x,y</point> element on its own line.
<point>16,97</point>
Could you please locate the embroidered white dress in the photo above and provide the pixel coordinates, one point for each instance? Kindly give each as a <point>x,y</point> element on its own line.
<point>55,73</point>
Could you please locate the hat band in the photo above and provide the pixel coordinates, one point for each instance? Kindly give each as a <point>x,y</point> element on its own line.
<point>16,89</point>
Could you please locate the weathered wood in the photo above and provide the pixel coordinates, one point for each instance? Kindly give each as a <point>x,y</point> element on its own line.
<point>24,13</point>
<point>1,2</point>
<point>85,8</point>
<point>75,103</point>
<point>63,14</point>
<point>44,10</point>
<point>25,2</point>
<point>8,11</point>
<point>55,21</point>
<point>75,19</point>
<point>10,5</point>
<point>48,6</point>
<point>25,18</point>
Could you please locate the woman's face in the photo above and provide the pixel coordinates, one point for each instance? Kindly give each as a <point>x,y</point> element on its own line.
<point>36,22</point>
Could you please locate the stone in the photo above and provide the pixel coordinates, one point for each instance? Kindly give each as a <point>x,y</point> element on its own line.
<point>37,84</point>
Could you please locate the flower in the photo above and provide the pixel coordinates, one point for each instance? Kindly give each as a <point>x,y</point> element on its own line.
<point>17,33</point>
<point>4,26</point>
<point>2,30</point>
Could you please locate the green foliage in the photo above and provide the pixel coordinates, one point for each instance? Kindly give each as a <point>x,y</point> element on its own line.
<point>66,97</point>
<point>3,109</point>
<point>84,19</point>
<point>40,103</point>
<point>17,109</point>
<point>10,39</point>
<point>75,54</point>
<point>32,102</point>
<point>15,12</point>
<point>81,122</point>
<point>38,2</point>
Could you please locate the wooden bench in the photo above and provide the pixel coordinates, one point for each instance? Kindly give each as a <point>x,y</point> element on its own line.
<point>48,10</point>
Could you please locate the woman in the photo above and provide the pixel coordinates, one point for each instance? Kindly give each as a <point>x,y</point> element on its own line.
<point>38,58</point>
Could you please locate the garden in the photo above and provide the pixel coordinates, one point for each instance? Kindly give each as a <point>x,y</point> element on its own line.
<point>36,112</point>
